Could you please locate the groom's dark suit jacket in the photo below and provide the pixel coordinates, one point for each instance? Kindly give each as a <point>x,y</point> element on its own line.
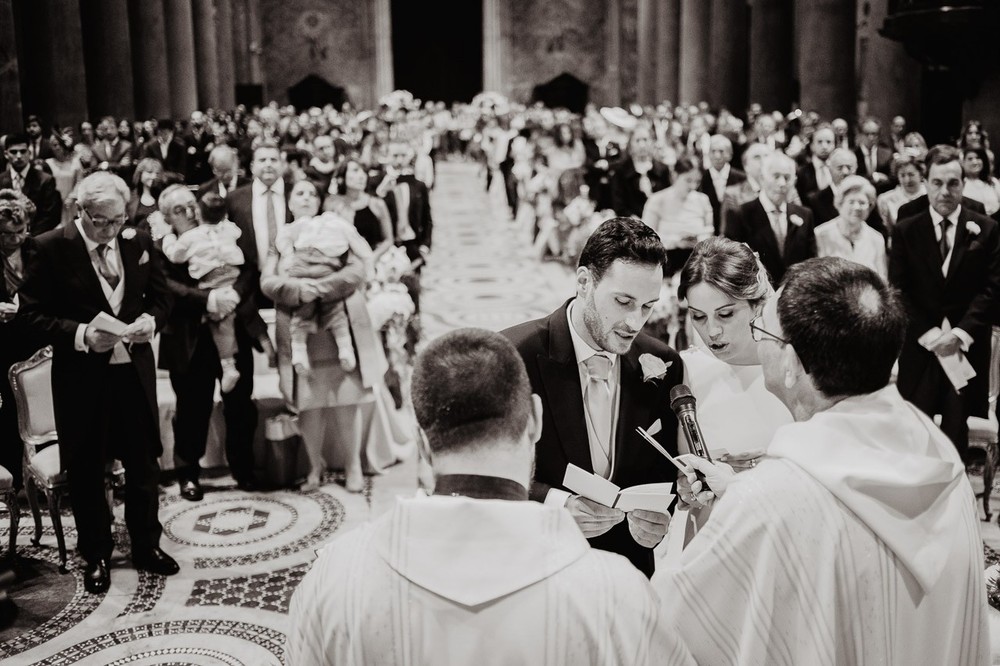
<point>546,347</point>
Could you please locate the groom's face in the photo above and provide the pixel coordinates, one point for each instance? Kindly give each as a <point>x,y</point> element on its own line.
<point>617,306</point>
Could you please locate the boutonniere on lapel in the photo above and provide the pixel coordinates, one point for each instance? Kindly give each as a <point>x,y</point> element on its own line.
<point>144,259</point>
<point>653,367</point>
<point>128,233</point>
<point>795,219</point>
<point>972,228</point>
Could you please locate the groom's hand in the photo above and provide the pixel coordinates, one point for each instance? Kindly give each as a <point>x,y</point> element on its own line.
<point>593,518</point>
<point>648,527</point>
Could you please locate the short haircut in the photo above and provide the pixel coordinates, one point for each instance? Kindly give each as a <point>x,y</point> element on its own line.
<point>731,267</point>
<point>102,186</point>
<point>778,157</point>
<point>721,141</point>
<point>845,324</point>
<point>222,152</point>
<point>213,208</point>
<point>265,145</point>
<point>165,124</point>
<point>902,160</point>
<point>470,388</point>
<point>625,238</point>
<point>942,154</point>
<point>844,153</point>
<point>16,139</point>
<point>168,192</point>
<point>853,184</point>
<point>683,165</point>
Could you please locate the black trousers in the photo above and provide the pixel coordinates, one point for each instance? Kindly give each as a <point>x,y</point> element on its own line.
<point>937,396</point>
<point>195,391</point>
<point>129,427</point>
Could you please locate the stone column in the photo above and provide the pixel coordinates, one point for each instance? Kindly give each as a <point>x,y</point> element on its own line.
<point>224,48</point>
<point>241,42</point>
<point>11,118</point>
<point>889,83</point>
<point>668,49</point>
<point>256,41</point>
<point>107,55</point>
<point>147,28</point>
<point>383,47</point>
<point>646,89</point>
<point>180,57</point>
<point>492,46</point>
<point>613,55</point>
<point>826,58</point>
<point>53,77</point>
<point>727,78</point>
<point>695,33</point>
<point>206,52</point>
<point>771,52</point>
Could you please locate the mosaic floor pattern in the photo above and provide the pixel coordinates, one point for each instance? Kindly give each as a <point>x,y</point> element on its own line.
<point>241,554</point>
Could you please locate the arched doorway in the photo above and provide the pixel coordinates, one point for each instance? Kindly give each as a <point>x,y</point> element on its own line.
<point>565,91</point>
<point>315,91</point>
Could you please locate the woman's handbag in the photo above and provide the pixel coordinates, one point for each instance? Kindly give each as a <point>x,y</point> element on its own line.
<point>281,452</point>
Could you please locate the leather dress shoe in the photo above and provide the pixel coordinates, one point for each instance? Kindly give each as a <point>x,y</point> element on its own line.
<point>97,577</point>
<point>155,561</point>
<point>191,491</point>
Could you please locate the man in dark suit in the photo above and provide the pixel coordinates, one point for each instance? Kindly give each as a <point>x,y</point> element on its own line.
<point>409,204</point>
<point>922,203</point>
<point>39,149</point>
<point>780,232</point>
<point>171,154</point>
<point>17,341</point>
<point>815,174</point>
<point>599,379</point>
<point>189,354</point>
<point>111,152</point>
<point>103,384</point>
<point>601,153</point>
<point>874,159</point>
<point>38,186</point>
<point>637,176</point>
<point>945,261</point>
<point>719,175</point>
<point>225,169</point>
<point>842,163</point>
<point>198,143</point>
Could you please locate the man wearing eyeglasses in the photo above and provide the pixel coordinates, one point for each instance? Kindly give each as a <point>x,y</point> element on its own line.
<point>103,383</point>
<point>33,183</point>
<point>855,540</point>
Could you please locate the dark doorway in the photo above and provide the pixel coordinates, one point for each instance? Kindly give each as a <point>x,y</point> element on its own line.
<point>437,48</point>
<point>316,91</point>
<point>565,91</point>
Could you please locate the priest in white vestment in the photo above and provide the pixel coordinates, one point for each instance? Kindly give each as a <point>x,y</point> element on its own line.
<point>856,539</point>
<point>476,574</point>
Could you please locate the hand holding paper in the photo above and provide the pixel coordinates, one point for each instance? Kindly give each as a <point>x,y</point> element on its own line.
<point>592,518</point>
<point>956,367</point>
<point>650,496</point>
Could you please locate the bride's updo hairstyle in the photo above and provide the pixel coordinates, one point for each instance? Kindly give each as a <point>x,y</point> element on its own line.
<point>731,267</point>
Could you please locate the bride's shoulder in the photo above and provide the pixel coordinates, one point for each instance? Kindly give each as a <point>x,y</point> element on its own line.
<point>701,367</point>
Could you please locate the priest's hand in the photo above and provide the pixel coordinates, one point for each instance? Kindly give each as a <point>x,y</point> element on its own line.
<point>716,475</point>
<point>593,518</point>
<point>946,345</point>
<point>648,527</point>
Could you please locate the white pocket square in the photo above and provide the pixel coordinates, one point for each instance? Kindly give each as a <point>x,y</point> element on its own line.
<point>144,259</point>
<point>655,428</point>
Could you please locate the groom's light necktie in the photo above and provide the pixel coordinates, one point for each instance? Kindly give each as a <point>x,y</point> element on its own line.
<point>597,399</point>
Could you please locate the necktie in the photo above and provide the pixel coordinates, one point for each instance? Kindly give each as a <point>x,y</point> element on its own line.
<point>779,231</point>
<point>272,220</point>
<point>104,266</point>
<point>17,180</point>
<point>597,397</point>
<point>944,244</point>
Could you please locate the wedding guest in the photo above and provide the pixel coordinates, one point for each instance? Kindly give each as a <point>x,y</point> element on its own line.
<point>73,275</point>
<point>873,157</point>
<point>546,585</point>
<point>680,214</point>
<point>17,341</point>
<point>409,203</point>
<point>147,183</point>
<point>979,181</point>
<point>741,193</point>
<point>110,150</point>
<point>856,539</point>
<point>225,168</point>
<point>600,378</point>
<point>35,184</point>
<point>719,176</point>
<point>945,261</point>
<point>67,171</point>
<point>170,153</point>
<point>815,174</point>
<point>637,175</point>
<point>908,171</point>
<point>847,235</point>
<point>352,405</point>
<point>368,213</point>
<point>779,231</point>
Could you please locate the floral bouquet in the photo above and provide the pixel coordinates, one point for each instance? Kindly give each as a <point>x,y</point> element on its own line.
<point>392,313</point>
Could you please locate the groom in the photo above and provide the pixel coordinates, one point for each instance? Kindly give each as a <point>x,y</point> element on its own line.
<point>599,378</point>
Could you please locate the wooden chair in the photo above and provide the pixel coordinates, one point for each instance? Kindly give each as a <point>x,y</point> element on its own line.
<point>983,432</point>
<point>43,471</point>
<point>8,495</point>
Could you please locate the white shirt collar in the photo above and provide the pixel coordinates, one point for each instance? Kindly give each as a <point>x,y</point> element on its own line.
<point>23,174</point>
<point>721,173</point>
<point>818,163</point>
<point>769,206</point>
<point>581,349</point>
<point>91,245</point>
<point>259,188</point>
<point>936,217</point>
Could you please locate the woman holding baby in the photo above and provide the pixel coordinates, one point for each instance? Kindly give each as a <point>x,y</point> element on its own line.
<point>339,393</point>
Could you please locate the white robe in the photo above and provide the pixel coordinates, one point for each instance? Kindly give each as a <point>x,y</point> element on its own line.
<point>856,541</point>
<point>453,580</point>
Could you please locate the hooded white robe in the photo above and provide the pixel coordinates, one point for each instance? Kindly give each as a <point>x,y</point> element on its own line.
<point>453,580</point>
<point>855,541</point>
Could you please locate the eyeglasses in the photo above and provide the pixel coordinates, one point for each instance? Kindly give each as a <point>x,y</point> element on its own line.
<point>758,333</point>
<point>102,222</point>
<point>181,209</point>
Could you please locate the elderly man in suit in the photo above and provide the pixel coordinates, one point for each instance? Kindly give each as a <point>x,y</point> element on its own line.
<point>638,175</point>
<point>874,159</point>
<point>815,174</point>
<point>599,378</point>
<point>103,383</point>
<point>33,183</point>
<point>779,231</point>
<point>719,176</point>
<point>224,163</point>
<point>171,154</point>
<point>945,261</point>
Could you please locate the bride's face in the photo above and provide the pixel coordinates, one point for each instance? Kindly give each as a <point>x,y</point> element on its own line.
<point>723,323</point>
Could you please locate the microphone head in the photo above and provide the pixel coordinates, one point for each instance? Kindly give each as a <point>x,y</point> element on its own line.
<point>681,396</point>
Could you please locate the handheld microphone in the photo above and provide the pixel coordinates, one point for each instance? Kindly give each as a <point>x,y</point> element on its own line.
<point>682,402</point>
